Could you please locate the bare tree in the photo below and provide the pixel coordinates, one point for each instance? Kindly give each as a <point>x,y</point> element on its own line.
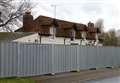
<point>11,13</point>
<point>110,38</point>
<point>100,24</point>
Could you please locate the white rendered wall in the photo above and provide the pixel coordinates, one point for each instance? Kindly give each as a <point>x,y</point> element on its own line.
<point>49,40</point>
<point>28,39</point>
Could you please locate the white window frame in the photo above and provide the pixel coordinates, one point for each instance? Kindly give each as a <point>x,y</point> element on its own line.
<point>83,34</point>
<point>52,32</point>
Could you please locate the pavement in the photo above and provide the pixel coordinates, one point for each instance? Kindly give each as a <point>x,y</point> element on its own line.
<point>84,76</point>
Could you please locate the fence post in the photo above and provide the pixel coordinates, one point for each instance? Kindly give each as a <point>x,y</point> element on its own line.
<point>0,59</point>
<point>53,71</point>
<point>78,69</point>
<point>18,59</point>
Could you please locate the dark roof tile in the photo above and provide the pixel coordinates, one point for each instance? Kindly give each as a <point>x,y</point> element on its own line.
<point>43,23</point>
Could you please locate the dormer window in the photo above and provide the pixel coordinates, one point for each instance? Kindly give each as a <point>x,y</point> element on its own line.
<point>72,34</point>
<point>53,32</point>
<point>96,36</point>
<point>53,29</point>
<point>83,34</point>
<point>36,41</point>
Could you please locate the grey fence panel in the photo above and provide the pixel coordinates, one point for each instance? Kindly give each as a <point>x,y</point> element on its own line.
<point>26,60</point>
<point>73,56</point>
<point>8,59</point>
<point>59,58</point>
<point>65,58</point>
<point>100,57</point>
<point>116,58</point>
<point>0,60</point>
<point>103,59</point>
<point>118,51</point>
<point>113,54</point>
<point>91,57</point>
<point>68,58</point>
<point>108,56</point>
<point>82,57</point>
<point>35,59</point>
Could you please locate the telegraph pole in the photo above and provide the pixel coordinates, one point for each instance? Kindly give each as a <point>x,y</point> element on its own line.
<point>55,10</point>
<point>53,29</point>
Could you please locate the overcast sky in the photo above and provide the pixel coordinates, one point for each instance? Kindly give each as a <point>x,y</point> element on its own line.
<point>81,11</point>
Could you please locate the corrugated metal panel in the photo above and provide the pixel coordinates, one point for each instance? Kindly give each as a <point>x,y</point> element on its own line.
<point>35,59</point>
<point>65,58</point>
<point>100,57</point>
<point>103,59</point>
<point>108,56</point>
<point>72,50</point>
<point>83,57</point>
<point>91,57</point>
<point>59,58</point>
<point>17,59</point>
<point>8,59</point>
<point>112,56</point>
<point>116,57</point>
<point>0,59</point>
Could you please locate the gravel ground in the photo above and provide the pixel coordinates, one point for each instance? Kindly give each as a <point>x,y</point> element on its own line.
<point>85,76</point>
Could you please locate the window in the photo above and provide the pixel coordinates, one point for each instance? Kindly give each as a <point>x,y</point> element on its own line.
<point>96,36</point>
<point>36,41</point>
<point>74,44</point>
<point>28,40</point>
<point>83,34</point>
<point>53,32</point>
<point>72,34</point>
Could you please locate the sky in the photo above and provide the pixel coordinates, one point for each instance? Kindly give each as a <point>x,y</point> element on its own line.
<point>81,11</point>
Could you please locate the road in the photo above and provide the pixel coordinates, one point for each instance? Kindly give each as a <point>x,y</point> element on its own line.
<point>86,76</point>
<point>106,80</point>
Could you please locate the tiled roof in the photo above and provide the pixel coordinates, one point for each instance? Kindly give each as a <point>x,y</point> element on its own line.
<point>9,36</point>
<point>43,23</point>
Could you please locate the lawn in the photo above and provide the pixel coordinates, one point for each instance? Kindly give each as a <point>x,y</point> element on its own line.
<point>16,80</point>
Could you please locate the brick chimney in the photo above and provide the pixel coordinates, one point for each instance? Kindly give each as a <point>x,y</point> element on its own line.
<point>28,24</point>
<point>90,25</point>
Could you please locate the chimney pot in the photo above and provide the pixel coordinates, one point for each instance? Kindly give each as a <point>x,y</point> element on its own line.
<point>28,12</point>
<point>28,23</point>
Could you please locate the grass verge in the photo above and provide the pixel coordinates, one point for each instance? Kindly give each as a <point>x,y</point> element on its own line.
<point>16,80</point>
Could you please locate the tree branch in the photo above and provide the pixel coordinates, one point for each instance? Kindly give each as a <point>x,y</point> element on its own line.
<point>9,20</point>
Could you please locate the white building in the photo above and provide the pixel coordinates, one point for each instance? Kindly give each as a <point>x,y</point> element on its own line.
<point>48,30</point>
